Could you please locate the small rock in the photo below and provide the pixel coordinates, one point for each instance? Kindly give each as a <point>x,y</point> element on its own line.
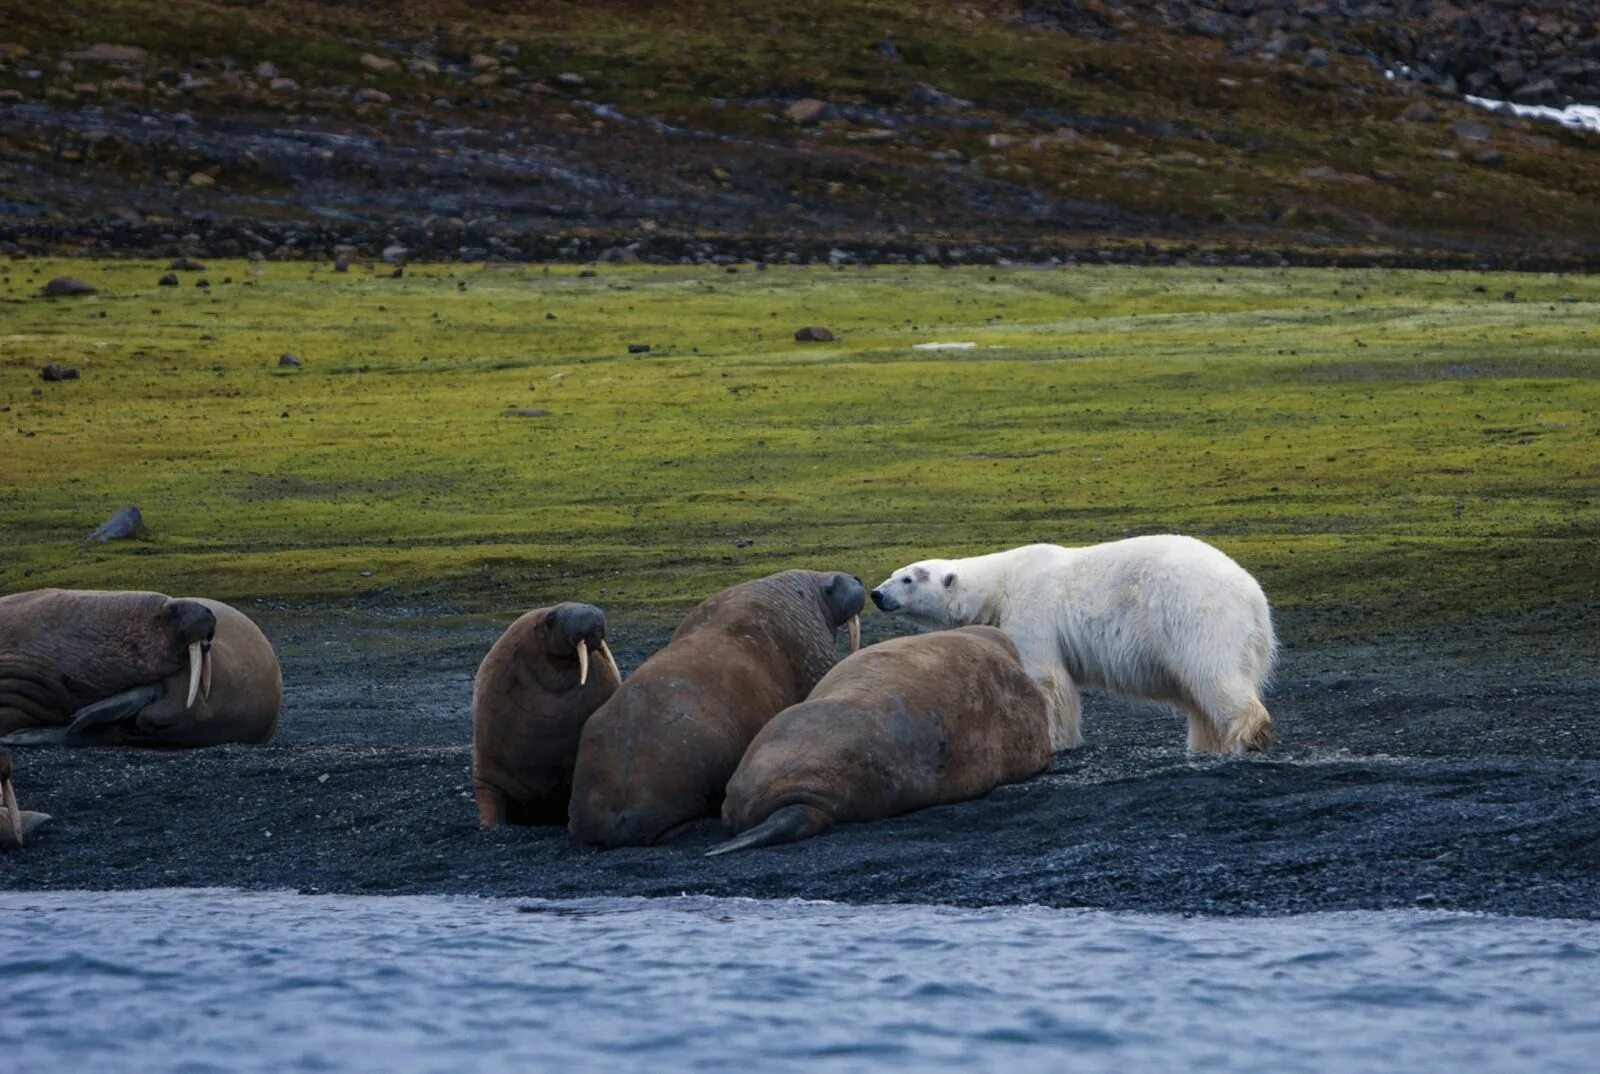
<point>525,412</point>
<point>813,334</point>
<point>806,110</point>
<point>638,348</point>
<point>341,263</point>
<point>53,372</point>
<point>201,179</point>
<point>11,96</point>
<point>482,62</point>
<point>202,282</point>
<point>925,96</point>
<point>126,523</point>
<point>169,280</point>
<point>284,87</point>
<point>118,54</point>
<point>1324,174</point>
<point>1470,130</point>
<point>1489,158</point>
<point>289,361</point>
<point>266,71</point>
<point>378,65</point>
<point>570,80</point>
<point>1317,57</point>
<point>587,274</point>
<point>186,264</point>
<point>66,286</point>
<point>372,96</point>
<point>1417,112</point>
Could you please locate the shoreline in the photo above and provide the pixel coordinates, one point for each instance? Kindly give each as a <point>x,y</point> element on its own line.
<point>1442,768</point>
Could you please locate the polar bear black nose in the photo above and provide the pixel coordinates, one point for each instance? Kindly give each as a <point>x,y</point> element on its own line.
<point>879,599</point>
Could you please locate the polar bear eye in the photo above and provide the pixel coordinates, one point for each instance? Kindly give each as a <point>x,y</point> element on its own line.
<point>907,581</point>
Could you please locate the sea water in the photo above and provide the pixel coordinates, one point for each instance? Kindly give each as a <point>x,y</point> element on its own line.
<point>203,980</point>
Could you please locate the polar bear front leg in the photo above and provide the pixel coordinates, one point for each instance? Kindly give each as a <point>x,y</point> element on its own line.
<point>1041,659</point>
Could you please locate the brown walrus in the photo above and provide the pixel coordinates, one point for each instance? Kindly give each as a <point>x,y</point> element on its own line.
<point>659,753</point>
<point>80,667</point>
<point>15,823</point>
<point>530,699</point>
<point>902,725</point>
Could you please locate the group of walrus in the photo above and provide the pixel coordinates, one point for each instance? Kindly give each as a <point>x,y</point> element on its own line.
<point>747,709</point>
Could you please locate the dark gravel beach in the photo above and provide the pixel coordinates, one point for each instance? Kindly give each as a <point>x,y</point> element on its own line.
<point>1455,767</point>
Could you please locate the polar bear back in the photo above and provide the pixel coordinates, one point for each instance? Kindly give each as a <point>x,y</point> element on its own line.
<point>1146,616</point>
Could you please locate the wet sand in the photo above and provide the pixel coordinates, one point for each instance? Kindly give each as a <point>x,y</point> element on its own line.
<point>1455,767</point>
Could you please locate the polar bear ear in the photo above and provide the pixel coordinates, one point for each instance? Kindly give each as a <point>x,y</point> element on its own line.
<point>950,579</point>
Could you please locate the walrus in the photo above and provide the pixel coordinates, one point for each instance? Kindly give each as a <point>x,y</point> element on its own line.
<point>80,667</point>
<point>530,700</point>
<point>658,754</point>
<point>15,822</point>
<point>901,725</point>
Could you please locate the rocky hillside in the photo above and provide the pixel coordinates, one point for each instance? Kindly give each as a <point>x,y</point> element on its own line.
<point>843,128</point>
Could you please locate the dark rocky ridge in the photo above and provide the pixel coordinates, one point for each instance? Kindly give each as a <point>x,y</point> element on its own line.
<point>1237,131</point>
<point>1532,53</point>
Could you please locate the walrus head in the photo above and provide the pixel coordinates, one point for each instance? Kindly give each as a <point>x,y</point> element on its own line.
<point>194,626</point>
<point>573,631</point>
<point>845,596</point>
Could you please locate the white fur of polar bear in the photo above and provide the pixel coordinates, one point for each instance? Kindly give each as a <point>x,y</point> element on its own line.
<point>1164,618</point>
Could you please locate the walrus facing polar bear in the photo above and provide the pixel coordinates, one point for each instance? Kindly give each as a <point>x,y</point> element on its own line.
<point>1162,618</point>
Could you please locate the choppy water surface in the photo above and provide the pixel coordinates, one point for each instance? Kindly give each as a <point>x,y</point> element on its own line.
<point>208,980</point>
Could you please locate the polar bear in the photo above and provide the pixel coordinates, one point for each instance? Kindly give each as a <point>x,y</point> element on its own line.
<point>1162,618</point>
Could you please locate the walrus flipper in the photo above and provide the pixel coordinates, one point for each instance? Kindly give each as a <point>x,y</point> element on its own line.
<point>116,707</point>
<point>790,824</point>
<point>88,723</point>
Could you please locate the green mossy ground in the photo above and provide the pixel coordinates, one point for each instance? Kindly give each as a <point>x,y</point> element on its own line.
<point>1381,448</point>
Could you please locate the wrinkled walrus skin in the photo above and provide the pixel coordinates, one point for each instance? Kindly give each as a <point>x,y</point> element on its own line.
<point>902,725</point>
<point>16,823</point>
<point>531,697</point>
<point>659,753</point>
<point>133,669</point>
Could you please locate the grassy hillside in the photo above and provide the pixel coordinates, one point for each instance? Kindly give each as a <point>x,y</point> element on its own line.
<point>635,120</point>
<point>1384,447</point>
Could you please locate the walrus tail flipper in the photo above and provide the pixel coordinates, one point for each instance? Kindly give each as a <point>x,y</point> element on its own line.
<point>790,824</point>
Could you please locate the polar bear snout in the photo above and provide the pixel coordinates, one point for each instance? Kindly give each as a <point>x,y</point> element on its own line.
<point>884,600</point>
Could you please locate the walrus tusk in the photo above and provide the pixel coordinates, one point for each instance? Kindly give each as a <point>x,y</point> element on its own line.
<point>583,662</point>
<point>194,674</point>
<point>611,661</point>
<point>205,674</point>
<point>855,633</point>
<point>10,798</point>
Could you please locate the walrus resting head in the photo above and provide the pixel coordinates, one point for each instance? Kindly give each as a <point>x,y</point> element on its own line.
<point>573,631</point>
<point>194,626</point>
<point>845,596</point>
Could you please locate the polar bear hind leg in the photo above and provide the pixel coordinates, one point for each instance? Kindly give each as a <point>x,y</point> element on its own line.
<point>1061,696</point>
<point>1229,718</point>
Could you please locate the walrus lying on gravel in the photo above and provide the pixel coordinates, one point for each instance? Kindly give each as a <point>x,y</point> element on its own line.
<point>82,668</point>
<point>902,725</point>
<point>659,753</point>
<point>14,822</point>
<point>530,699</point>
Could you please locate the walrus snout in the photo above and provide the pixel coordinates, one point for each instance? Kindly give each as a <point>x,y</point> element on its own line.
<point>580,628</point>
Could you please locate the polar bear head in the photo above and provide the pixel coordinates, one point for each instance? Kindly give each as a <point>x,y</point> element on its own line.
<point>924,591</point>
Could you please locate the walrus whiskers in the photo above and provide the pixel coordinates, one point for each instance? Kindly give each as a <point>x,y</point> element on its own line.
<point>583,663</point>
<point>611,661</point>
<point>194,674</point>
<point>855,633</point>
